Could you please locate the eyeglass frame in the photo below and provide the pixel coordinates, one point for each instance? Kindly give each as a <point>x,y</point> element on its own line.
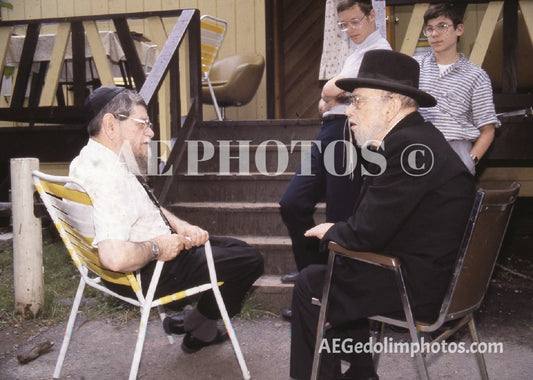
<point>147,124</point>
<point>354,99</point>
<point>356,21</point>
<point>441,27</point>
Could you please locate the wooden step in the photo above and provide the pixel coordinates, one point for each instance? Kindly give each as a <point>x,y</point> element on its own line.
<point>212,187</point>
<point>237,218</point>
<point>284,130</point>
<point>271,295</point>
<point>269,159</point>
<point>276,251</point>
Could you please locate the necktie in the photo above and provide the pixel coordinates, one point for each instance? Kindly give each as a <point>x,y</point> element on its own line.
<point>155,202</point>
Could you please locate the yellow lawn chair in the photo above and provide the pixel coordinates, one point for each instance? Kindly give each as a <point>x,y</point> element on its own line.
<point>212,31</point>
<point>71,210</point>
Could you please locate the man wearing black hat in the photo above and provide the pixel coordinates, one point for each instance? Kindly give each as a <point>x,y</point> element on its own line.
<point>132,231</point>
<point>414,204</point>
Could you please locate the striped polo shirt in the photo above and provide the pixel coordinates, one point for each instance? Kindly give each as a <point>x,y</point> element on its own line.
<point>464,97</point>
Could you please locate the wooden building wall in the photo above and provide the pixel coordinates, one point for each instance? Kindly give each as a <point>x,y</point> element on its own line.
<point>245,34</point>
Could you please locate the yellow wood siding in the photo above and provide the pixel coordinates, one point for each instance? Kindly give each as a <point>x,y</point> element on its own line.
<point>245,34</point>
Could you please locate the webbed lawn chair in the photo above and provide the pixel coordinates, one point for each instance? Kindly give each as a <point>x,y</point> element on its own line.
<point>212,32</point>
<point>71,210</point>
<point>473,270</point>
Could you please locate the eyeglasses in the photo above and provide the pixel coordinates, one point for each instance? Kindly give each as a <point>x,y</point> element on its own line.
<point>354,23</point>
<point>145,123</point>
<point>441,28</point>
<point>355,100</point>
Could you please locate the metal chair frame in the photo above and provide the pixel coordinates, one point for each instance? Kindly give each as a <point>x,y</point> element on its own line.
<point>212,32</point>
<point>463,297</point>
<point>70,208</point>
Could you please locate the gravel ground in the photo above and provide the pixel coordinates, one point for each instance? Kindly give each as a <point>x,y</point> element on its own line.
<point>102,350</point>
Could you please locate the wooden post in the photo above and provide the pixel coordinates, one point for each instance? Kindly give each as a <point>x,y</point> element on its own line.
<point>416,23</point>
<point>27,240</point>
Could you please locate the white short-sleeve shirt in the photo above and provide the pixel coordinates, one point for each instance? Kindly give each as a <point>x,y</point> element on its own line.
<point>122,208</point>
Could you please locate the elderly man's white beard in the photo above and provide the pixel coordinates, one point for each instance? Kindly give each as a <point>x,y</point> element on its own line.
<point>136,163</point>
<point>373,136</point>
<point>365,139</point>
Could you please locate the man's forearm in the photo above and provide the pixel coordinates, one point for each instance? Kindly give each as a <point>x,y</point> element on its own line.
<point>484,140</point>
<point>124,256</point>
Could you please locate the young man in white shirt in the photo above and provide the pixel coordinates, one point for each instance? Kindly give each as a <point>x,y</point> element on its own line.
<point>357,19</point>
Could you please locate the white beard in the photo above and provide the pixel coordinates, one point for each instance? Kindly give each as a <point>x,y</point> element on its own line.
<point>136,163</point>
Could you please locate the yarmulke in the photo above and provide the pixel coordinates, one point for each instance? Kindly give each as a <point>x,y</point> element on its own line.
<point>98,99</point>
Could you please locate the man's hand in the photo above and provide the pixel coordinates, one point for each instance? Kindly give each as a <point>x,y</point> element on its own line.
<point>197,235</point>
<point>319,231</point>
<point>171,245</point>
<point>331,96</point>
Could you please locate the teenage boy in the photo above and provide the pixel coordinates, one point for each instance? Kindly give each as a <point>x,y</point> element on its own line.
<point>465,109</point>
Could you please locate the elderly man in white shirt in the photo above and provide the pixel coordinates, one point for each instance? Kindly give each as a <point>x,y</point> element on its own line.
<point>132,231</point>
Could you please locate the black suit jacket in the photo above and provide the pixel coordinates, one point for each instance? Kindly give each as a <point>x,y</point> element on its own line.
<point>416,208</point>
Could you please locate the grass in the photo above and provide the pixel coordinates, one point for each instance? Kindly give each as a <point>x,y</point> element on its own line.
<point>61,280</point>
<point>251,309</point>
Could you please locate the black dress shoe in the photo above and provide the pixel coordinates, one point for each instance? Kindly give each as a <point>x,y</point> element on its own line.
<point>289,278</point>
<point>287,314</point>
<point>175,324</point>
<point>190,344</point>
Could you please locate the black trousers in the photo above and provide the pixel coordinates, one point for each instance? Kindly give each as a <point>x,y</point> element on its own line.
<point>304,330</point>
<point>358,291</point>
<point>237,264</point>
<point>340,192</point>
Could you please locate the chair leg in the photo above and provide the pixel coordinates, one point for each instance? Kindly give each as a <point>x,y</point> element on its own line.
<point>224,312</point>
<point>376,355</point>
<point>69,328</point>
<point>145,314</point>
<point>322,316</point>
<point>422,368</point>
<point>215,103</point>
<point>141,335</point>
<point>479,355</point>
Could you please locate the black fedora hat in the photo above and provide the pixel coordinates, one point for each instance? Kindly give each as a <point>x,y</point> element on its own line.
<point>391,71</point>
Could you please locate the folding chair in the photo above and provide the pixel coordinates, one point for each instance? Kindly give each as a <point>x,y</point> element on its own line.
<point>71,210</point>
<point>473,270</point>
<point>212,31</point>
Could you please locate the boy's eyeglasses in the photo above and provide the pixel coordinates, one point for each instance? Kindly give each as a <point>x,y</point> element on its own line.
<point>354,23</point>
<point>441,28</point>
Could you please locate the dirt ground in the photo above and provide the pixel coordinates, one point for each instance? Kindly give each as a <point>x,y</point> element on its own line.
<point>101,349</point>
<point>97,349</point>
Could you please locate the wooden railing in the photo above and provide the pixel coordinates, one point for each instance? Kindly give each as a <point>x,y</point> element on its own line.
<point>163,88</point>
